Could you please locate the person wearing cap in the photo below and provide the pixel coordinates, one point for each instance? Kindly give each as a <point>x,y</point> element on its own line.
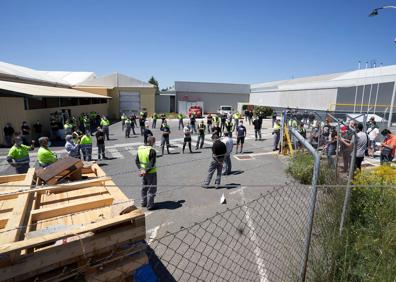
<point>219,151</point>
<point>72,149</point>
<point>201,135</point>
<point>146,163</point>
<point>104,124</point>
<point>388,146</point>
<point>147,132</point>
<point>45,156</point>
<point>18,155</point>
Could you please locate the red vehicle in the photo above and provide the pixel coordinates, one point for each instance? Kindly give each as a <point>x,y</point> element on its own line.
<point>197,110</point>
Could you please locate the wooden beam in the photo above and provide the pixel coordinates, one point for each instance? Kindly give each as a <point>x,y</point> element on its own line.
<point>112,188</point>
<point>58,256</point>
<point>74,195</point>
<point>77,206</point>
<point>58,188</point>
<point>12,177</point>
<point>18,215</point>
<point>134,216</point>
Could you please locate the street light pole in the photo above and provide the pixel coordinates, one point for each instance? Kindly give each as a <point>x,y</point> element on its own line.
<point>375,11</point>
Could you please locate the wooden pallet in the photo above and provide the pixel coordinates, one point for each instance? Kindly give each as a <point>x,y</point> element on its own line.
<point>58,232</point>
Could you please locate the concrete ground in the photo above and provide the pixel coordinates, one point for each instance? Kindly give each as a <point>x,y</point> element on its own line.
<point>180,200</point>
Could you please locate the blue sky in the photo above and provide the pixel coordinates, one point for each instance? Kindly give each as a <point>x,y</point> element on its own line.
<point>198,40</point>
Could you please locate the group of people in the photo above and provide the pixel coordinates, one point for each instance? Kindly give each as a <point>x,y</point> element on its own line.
<point>332,137</point>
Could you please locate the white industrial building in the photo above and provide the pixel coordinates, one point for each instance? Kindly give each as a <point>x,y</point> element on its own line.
<point>359,91</point>
<point>210,96</point>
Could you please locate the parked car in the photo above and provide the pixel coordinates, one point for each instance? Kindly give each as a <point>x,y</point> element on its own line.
<point>195,109</point>
<point>225,109</point>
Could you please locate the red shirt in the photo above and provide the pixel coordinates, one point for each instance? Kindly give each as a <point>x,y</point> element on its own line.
<point>391,141</point>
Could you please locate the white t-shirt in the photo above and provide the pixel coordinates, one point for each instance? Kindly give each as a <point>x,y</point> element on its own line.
<point>373,133</point>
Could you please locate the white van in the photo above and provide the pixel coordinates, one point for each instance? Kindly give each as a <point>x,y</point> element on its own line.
<point>225,109</point>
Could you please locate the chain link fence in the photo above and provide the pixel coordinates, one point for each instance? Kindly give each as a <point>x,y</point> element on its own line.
<point>261,240</point>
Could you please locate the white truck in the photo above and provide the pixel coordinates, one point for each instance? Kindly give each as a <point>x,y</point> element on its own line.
<point>225,109</point>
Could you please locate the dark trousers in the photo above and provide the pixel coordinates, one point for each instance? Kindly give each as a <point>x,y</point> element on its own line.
<point>385,158</point>
<point>142,128</point>
<point>214,165</point>
<point>200,141</point>
<point>101,151</point>
<point>358,162</point>
<point>257,133</point>
<point>227,165</point>
<point>189,145</point>
<point>149,189</point>
<point>209,127</point>
<point>127,131</point>
<point>154,125</point>
<point>181,124</point>
<point>106,132</point>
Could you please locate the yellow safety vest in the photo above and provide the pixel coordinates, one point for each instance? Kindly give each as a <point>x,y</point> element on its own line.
<point>143,155</point>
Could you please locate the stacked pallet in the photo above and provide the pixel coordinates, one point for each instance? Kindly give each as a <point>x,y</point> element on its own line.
<point>84,229</point>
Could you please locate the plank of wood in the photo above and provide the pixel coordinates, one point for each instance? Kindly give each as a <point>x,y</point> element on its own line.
<point>12,177</point>
<point>117,194</point>
<point>119,270</point>
<point>18,216</point>
<point>58,256</point>
<point>77,194</point>
<point>59,169</point>
<point>58,188</point>
<point>81,205</point>
<point>136,216</point>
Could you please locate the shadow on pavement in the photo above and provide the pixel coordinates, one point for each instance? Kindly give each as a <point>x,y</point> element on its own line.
<point>168,205</point>
<point>158,267</point>
<point>236,172</point>
<point>231,186</point>
<point>101,164</point>
<point>248,152</point>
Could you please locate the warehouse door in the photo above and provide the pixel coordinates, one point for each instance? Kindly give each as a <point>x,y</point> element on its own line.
<point>129,102</point>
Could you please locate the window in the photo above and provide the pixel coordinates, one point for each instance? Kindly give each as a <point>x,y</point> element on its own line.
<point>103,101</point>
<point>35,103</point>
<point>66,102</point>
<point>51,102</point>
<point>85,101</point>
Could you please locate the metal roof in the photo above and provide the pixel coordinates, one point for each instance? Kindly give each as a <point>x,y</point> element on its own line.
<point>328,81</point>
<point>115,80</point>
<point>65,78</point>
<point>46,91</point>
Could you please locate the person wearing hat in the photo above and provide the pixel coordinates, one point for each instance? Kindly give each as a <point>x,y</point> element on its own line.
<point>18,155</point>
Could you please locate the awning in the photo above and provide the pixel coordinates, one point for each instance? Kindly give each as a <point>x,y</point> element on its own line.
<point>46,91</point>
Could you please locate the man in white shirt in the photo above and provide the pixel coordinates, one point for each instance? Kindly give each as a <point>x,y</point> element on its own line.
<point>373,133</point>
<point>227,140</point>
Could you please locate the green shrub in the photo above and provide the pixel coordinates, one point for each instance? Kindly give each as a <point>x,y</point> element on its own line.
<point>267,111</point>
<point>301,168</point>
<point>368,252</point>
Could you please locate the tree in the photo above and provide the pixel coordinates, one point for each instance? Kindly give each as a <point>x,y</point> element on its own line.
<point>154,82</point>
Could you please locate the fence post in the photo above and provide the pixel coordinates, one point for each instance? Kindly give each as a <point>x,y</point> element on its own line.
<point>312,201</point>
<point>348,188</point>
<point>282,131</point>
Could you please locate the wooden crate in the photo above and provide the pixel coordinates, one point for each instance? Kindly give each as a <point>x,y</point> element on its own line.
<point>77,228</point>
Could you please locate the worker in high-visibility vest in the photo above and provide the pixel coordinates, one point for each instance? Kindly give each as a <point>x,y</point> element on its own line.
<point>123,119</point>
<point>86,146</point>
<point>276,133</point>
<point>18,155</point>
<point>154,117</point>
<point>45,156</point>
<point>68,127</point>
<point>180,117</point>
<point>104,124</point>
<point>146,163</point>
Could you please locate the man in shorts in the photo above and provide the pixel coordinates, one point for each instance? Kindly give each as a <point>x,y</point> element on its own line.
<point>241,133</point>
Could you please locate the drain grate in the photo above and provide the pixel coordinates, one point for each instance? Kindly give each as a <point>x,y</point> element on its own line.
<point>243,157</point>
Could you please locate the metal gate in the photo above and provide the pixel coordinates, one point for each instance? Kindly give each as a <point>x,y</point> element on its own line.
<point>129,102</point>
